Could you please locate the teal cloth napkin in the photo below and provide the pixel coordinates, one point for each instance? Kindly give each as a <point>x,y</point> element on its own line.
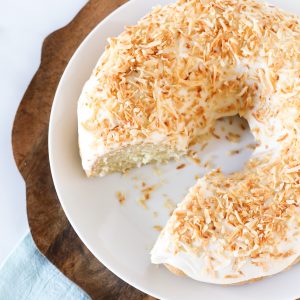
<point>28,275</point>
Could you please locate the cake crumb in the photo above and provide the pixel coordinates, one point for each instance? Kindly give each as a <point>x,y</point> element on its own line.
<point>157,227</point>
<point>252,146</point>
<point>213,133</point>
<point>209,164</point>
<point>181,166</point>
<point>157,171</point>
<point>197,177</point>
<point>197,160</point>
<point>243,127</point>
<point>169,204</point>
<point>146,191</point>
<point>125,172</point>
<point>233,137</point>
<point>234,152</point>
<point>203,146</point>
<point>192,155</point>
<point>142,202</point>
<point>155,214</point>
<point>121,197</point>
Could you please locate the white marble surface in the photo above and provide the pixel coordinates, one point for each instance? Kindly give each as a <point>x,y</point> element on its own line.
<point>23,26</point>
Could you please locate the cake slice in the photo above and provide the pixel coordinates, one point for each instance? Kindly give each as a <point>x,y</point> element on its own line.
<point>150,96</point>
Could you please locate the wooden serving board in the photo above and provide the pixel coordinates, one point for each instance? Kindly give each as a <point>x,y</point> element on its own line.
<point>49,226</point>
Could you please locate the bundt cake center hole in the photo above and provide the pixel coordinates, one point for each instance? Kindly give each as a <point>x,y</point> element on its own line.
<point>230,145</point>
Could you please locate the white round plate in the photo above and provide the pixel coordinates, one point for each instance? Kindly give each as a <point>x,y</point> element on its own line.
<point>121,236</point>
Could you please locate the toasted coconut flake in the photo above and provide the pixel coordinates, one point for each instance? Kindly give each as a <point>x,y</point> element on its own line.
<point>283,137</point>
<point>234,152</point>
<point>121,197</point>
<point>175,73</point>
<point>157,227</point>
<point>252,146</point>
<point>203,146</point>
<point>181,166</point>
<point>146,194</point>
<point>233,137</point>
<point>213,133</point>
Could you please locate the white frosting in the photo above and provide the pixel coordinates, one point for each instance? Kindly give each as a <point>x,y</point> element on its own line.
<point>90,147</point>
<point>195,266</point>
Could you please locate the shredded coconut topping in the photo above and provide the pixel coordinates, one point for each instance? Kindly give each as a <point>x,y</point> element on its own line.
<point>173,74</point>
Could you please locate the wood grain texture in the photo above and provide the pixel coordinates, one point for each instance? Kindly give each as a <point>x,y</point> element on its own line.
<point>49,226</point>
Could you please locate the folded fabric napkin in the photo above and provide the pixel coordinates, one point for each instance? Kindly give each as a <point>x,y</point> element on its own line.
<point>28,275</point>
